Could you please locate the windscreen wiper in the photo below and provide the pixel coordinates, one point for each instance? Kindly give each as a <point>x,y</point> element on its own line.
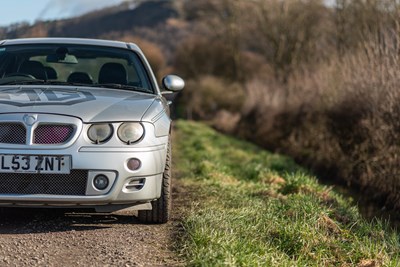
<point>40,82</point>
<point>65,83</point>
<point>119,86</point>
<point>21,82</point>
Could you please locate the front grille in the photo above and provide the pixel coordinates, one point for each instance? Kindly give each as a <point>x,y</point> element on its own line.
<point>12,133</point>
<point>73,184</point>
<point>52,133</point>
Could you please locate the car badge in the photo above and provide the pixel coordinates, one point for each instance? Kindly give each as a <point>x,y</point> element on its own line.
<point>30,119</point>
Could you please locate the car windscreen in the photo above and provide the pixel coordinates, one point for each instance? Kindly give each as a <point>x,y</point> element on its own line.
<point>79,65</point>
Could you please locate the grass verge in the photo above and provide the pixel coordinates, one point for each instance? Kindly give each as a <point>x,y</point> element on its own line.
<point>254,208</point>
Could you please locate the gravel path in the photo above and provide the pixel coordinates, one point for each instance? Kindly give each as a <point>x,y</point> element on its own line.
<point>40,237</point>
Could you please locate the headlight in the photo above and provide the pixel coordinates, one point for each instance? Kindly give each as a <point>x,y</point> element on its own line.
<point>99,133</point>
<point>130,132</point>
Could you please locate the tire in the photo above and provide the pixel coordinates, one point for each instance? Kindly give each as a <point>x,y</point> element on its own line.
<point>162,206</point>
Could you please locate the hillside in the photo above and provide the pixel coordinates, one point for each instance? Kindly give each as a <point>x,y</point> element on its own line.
<point>249,207</point>
<point>98,23</point>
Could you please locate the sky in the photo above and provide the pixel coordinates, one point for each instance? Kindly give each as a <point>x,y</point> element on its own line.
<point>13,11</point>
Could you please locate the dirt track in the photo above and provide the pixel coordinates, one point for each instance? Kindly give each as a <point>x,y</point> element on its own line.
<point>58,238</point>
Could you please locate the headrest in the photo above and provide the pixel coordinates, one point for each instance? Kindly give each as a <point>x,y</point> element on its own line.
<point>80,77</point>
<point>113,73</point>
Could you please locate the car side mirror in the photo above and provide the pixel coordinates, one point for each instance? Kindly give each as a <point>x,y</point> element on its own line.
<point>173,83</point>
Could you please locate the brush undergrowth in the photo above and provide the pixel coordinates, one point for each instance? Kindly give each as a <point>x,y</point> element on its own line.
<point>254,208</point>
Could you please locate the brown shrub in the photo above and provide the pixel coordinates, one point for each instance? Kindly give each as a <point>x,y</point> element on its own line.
<point>371,99</point>
<point>284,34</point>
<point>343,118</point>
<point>206,96</point>
<point>320,83</point>
<point>226,121</point>
<point>152,51</point>
<point>199,56</point>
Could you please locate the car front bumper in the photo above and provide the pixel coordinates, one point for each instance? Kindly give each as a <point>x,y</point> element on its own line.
<point>126,187</point>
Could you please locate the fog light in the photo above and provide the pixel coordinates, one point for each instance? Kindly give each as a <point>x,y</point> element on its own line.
<point>100,182</point>
<point>133,164</point>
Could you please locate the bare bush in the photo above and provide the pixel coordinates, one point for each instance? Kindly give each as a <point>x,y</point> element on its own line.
<point>325,90</point>
<point>152,51</point>
<point>285,34</point>
<point>290,33</point>
<point>199,56</point>
<point>206,96</point>
<point>358,20</point>
<point>370,104</point>
<point>343,118</point>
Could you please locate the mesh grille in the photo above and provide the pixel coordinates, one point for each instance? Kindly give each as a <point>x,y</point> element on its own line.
<point>12,133</point>
<point>50,184</point>
<point>52,134</point>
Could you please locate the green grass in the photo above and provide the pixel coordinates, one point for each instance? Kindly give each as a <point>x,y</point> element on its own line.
<point>253,208</point>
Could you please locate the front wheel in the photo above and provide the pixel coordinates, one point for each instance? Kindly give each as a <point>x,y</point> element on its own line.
<point>162,206</point>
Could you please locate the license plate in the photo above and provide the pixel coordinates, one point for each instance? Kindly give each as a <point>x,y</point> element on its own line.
<point>35,164</point>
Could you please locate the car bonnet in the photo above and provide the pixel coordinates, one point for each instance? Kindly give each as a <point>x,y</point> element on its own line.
<point>88,104</point>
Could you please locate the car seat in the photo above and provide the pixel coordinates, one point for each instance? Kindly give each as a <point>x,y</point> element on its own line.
<point>51,73</point>
<point>113,73</point>
<point>34,68</point>
<point>80,77</point>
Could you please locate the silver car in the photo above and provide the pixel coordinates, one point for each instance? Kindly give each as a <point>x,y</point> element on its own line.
<point>83,124</point>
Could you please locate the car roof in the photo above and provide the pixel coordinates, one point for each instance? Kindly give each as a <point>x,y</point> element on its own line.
<point>79,41</point>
